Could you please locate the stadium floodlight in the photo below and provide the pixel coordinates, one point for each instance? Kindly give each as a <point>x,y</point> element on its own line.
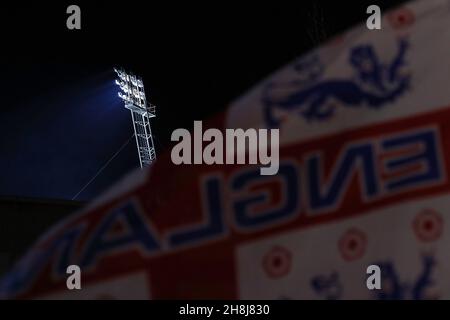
<point>133,95</point>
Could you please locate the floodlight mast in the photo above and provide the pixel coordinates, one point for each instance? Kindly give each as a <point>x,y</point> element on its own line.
<point>133,95</point>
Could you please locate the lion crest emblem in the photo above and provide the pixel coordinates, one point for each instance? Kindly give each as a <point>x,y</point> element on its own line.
<point>373,84</point>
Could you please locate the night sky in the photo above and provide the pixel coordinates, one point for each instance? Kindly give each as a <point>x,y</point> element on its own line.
<point>60,117</point>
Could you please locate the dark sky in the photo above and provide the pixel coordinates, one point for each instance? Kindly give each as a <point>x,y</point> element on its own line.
<point>60,117</point>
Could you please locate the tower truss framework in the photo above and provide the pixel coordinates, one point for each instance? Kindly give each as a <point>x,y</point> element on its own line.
<point>133,95</point>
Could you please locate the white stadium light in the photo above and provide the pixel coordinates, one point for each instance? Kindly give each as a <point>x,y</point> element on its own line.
<point>134,98</point>
<point>124,88</point>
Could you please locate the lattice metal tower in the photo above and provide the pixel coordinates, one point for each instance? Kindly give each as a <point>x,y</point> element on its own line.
<point>133,95</point>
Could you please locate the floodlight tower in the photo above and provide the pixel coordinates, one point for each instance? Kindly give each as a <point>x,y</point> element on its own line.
<point>133,95</point>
